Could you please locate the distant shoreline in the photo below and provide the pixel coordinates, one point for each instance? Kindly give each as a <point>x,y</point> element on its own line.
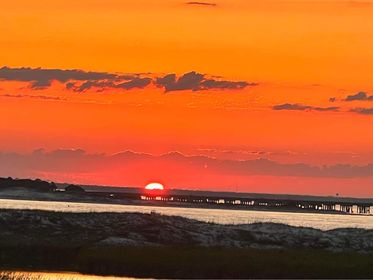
<point>49,191</point>
<point>85,198</point>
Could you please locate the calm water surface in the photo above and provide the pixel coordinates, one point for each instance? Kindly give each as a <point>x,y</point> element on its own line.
<point>222,216</point>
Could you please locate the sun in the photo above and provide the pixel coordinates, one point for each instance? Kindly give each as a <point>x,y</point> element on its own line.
<point>154,186</point>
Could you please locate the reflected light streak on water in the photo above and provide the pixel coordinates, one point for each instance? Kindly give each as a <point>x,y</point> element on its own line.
<point>21,275</point>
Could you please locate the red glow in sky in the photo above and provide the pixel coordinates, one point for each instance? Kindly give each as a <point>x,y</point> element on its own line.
<point>163,91</point>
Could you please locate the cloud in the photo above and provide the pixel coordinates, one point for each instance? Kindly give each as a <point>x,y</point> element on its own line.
<point>63,153</point>
<point>81,81</point>
<point>201,3</point>
<point>360,96</point>
<point>80,162</point>
<point>195,82</point>
<point>134,83</point>
<point>332,99</point>
<point>363,111</point>
<point>32,96</point>
<point>288,106</point>
<point>42,78</point>
<point>301,107</point>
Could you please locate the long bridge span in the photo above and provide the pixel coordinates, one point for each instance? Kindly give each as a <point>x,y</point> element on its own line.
<point>242,200</point>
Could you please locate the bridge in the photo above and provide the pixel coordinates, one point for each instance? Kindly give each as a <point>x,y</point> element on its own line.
<point>244,200</point>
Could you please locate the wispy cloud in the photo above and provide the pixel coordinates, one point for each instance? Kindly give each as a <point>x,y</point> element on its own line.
<point>359,96</point>
<point>134,83</point>
<point>197,3</point>
<point>363,111</point>
<point>301,107</point>
<point>32,96</point>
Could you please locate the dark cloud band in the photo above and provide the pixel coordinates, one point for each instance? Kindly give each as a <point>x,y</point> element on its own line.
<point>80,161</point>
<point>81,81</point>
<point>195,81</point>
<point>42,78</point>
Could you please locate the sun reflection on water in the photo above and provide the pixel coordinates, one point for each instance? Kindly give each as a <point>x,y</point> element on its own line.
<point>24,275</point>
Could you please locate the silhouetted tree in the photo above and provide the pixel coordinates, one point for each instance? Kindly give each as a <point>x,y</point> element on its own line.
<point>74,188</point>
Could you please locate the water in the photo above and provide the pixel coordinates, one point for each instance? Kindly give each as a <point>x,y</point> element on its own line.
<point>222,216</point>
<point>20,275</point>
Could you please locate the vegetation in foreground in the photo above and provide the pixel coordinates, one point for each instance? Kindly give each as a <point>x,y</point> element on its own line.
<point>153,245</point>
<point>192,262</point>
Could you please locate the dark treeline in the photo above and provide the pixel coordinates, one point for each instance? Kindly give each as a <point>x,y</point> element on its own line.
<point>36,185</point>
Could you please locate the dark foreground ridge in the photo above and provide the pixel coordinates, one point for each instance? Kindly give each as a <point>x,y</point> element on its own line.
<point>153,245</point>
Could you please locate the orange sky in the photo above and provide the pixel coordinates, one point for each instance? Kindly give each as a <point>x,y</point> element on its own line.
<point>298,52</point>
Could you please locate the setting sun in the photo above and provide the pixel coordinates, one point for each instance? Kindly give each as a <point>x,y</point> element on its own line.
<point>154,186</point>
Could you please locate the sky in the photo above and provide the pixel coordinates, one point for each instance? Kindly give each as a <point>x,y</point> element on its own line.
<point>269,96</point>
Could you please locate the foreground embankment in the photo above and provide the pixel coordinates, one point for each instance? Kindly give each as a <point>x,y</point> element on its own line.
<point>152,245</point>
